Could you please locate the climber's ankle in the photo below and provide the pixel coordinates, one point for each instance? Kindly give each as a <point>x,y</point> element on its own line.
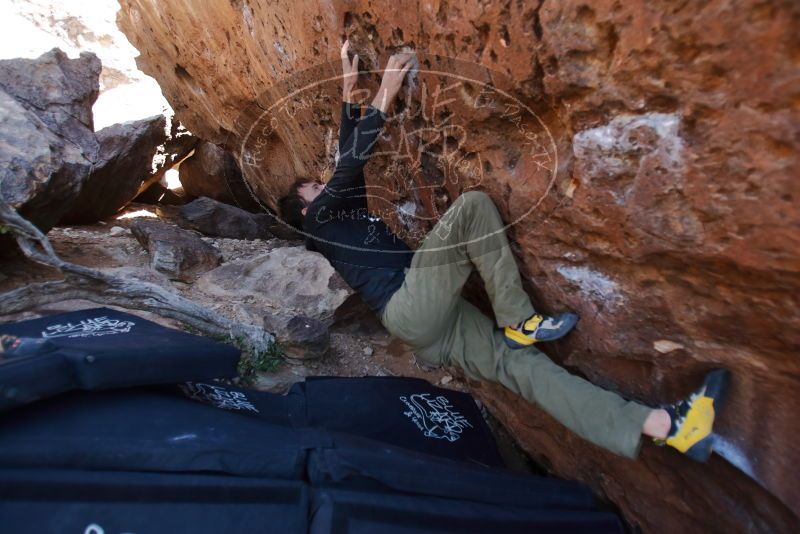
<point>657,424</point>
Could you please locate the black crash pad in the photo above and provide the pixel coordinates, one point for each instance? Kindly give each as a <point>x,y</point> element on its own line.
<point>343,455</point>
<point>148,459</point>
<point>99,502</point>
<point>405,412</point>
<point>102,348</point>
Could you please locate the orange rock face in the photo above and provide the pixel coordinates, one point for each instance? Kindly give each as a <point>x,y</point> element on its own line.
<point>644,155</point>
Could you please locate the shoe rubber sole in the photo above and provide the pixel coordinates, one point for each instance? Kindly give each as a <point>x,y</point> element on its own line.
<point>515,344</point>
<point>568,322</point>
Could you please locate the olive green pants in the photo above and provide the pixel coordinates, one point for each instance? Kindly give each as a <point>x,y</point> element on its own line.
<point>428,313</point>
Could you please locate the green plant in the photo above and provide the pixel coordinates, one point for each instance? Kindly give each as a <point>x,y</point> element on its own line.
<point>190,329</point>
<point>267,361</point>
<point>4,229</point>
<point>250,364</point>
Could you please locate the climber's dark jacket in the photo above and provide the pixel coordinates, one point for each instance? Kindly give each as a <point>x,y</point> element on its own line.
<point>360,246</point>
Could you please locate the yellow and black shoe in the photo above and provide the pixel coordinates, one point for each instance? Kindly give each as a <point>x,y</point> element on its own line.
<point>693,418</point>
<point>540,328</point>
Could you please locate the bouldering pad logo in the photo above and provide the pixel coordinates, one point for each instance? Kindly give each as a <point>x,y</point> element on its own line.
<point>435,417</point>
<point>218,396</point>
<point>94,327</point>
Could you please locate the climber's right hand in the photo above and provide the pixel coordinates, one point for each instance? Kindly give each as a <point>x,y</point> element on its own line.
<point>396,69</point>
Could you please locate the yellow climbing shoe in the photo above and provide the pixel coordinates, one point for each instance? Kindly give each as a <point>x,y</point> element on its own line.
<point>693,418</point>
<point>540,328</point>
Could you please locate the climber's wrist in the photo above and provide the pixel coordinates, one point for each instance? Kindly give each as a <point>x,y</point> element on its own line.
<point>347,94</point>
<point>383,99</point>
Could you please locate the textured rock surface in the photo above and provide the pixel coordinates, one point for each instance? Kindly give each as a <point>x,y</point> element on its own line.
<point>294,293</point>
<point>47,145</point>
<point>212,172</point>
<point>287,280</point>
<point>132,156</point>
<point>301,338</point>
<point>669,220</point>
<point>178,253</point>
<point>218,219</point>
<point>124,161</point>
<point>213,218</point>
<point>59,90</point>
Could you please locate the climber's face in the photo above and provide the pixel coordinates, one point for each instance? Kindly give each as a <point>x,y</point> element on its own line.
<point>310,190</point>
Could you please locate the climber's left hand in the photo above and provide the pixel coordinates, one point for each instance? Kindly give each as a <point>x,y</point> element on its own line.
<point>349,71</point>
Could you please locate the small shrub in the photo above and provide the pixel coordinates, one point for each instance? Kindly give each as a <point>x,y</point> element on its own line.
<point>267,361</point>
<point>250,365</point>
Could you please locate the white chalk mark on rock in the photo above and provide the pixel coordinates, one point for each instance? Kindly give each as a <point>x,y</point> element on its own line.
<point>247,14</point>
<point>597,285</point>
<point>734,455</point>
<point>406,212</point>
<point>278,46</point>
<point>627,147</point>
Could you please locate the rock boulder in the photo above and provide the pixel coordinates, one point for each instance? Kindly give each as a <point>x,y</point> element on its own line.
<point>58,90</point>
<point>294,293</point>
<point>643,154</point>
<point>212,172</point>
<point>289,280</point>
<point>132,155</point>
<point>177,253</point>
<point>301,338</point>
<point>124,161</point>
<point>218,219</point>
<point>47,142</point>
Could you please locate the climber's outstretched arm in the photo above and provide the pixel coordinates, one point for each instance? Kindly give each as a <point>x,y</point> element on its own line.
<point>349,73</point>
<point>348,179</point>
<point>354,151</point>
<point>351,111</point>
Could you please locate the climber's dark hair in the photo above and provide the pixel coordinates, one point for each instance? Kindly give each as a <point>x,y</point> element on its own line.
<point>291,206</point>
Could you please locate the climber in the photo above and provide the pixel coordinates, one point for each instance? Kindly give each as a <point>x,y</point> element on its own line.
<point>416,294</point>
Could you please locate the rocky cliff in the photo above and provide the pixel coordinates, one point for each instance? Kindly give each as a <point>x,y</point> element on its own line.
<point>643,153</point>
